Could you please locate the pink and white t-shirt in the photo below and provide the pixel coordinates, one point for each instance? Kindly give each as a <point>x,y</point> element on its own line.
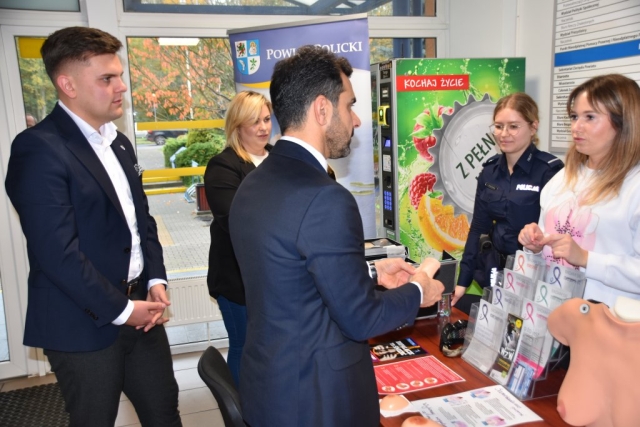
<point>608,230</point>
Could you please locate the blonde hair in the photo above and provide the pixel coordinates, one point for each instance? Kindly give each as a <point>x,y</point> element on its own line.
<point>618,97</point>
<point>524,105</point>
<point>244,110</point>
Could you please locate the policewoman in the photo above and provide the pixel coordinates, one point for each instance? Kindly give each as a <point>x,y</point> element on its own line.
<point>508,193</point>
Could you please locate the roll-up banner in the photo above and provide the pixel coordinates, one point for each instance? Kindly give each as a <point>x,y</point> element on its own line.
<point>256,50</point>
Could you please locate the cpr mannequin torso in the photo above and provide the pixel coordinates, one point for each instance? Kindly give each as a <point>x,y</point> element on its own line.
<point>602,386</point>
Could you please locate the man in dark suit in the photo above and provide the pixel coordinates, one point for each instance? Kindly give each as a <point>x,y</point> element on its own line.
<point>298,238</point>
<point>97,279</point>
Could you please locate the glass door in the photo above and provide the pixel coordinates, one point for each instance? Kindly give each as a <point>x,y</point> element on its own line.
<point>4,342</point>
<point>26,95</point>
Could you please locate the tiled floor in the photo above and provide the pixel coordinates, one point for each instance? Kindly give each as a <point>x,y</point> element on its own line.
<point>198,408</point>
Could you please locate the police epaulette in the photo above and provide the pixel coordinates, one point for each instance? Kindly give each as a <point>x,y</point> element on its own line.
<point>546,157</point>
<point>491,160</point>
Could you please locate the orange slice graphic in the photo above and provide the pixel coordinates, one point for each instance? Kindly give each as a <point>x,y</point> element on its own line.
<point>440,228</point>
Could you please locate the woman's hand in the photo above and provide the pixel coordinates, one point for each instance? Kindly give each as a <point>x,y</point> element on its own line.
<point>458,293</point>
<point>531,237</point>
<point>563,246</point>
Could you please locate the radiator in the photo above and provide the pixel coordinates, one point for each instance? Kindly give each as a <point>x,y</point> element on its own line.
<point>190,302</point>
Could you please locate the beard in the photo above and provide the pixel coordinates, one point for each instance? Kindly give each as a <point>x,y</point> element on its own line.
<point>338,138</point>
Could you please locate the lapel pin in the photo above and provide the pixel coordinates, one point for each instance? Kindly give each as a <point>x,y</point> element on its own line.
<point>122,146</point>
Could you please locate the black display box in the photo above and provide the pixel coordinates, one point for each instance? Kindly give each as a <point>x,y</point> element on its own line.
<point>383,247</point>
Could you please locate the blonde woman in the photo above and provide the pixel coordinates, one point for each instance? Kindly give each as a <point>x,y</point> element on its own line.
<point>591,211</point>
<point>247,128</point>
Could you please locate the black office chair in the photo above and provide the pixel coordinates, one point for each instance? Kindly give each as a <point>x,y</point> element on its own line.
<point>215,373</point>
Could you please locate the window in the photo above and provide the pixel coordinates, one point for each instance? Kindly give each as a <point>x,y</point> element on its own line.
<point>180,89</point>
<point>286,7</point>
<point>57,6</point>
<point>169,92</point>
<point>37,90</point>
<point>383,49</point>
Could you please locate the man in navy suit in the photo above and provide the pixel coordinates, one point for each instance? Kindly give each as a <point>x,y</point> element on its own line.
<point>298,238</point>
<point>97,278</point>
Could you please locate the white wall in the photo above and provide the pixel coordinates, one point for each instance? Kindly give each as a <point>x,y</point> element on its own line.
<point>493,28</point>
<point>535,42</point>
<point>481,28</point>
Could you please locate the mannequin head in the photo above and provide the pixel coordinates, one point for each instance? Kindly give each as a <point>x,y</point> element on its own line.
<point>600,388</point>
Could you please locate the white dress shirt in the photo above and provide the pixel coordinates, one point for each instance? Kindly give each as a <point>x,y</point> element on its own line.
<point>100,140</point>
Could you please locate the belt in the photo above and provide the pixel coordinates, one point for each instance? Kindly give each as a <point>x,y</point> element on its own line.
<point>132,286</point>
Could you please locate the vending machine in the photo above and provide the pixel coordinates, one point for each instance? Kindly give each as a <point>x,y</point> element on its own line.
<point>432,137</point>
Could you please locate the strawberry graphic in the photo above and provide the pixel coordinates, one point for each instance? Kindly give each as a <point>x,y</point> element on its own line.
<point>426,122</point>
<point>423,144</point>
<point>444,110</point>
<point>420,184</point>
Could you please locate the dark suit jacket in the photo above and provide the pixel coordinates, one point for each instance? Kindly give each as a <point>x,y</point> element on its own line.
<point>78,241</point>
<point>311,304</point>
<point>222,178</point>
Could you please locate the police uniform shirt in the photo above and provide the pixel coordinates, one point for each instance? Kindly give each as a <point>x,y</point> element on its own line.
<point>511,200</point>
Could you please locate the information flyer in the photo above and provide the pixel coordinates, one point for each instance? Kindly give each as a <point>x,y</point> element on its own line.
<point>488,406</point>
<point>413,375</point>
<point>396,349</point>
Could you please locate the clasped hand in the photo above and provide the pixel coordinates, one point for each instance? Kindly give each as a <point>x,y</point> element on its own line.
<point>562,245</point>
<point>394,272</point>
<point>147,314</point>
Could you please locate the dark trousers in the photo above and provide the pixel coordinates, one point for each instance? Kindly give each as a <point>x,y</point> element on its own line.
<point>137,363</point>
<point>235,321</point>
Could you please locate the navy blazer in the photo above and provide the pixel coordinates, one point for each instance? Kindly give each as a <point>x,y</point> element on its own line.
<point>78,241</point>
<point>311,304</point>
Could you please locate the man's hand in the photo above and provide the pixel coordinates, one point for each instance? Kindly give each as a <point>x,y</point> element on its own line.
<point>458,293</point>
<point>563,246</point>
<point>157,293</point>
<point>393,272</point>
<point>431,289</point>
<point>531,237</point>
<point>145,314</point>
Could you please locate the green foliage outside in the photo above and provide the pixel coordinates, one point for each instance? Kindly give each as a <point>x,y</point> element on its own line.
<point>170,148</point>
<point>199,152</point>
<point>37,90</point>
<point>201,144</point>
<point>213,136</point>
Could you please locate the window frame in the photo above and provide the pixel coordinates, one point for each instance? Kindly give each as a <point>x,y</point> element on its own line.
<point>110,16</point>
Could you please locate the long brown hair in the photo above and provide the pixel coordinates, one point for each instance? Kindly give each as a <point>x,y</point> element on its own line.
<point>618,97</point>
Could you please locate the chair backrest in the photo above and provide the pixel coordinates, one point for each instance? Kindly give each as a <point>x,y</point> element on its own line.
<point>215,373</point>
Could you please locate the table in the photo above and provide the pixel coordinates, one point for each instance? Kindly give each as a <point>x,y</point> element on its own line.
<point>425,332</point>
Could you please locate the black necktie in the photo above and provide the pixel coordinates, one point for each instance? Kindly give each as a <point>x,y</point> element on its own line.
<point>331,173</point>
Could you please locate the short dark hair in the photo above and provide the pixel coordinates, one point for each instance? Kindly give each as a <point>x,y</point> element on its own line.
<point>298,80</point>
<point>75,44</point>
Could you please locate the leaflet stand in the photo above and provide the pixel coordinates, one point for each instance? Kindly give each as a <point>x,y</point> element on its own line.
<point>526,379</point>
